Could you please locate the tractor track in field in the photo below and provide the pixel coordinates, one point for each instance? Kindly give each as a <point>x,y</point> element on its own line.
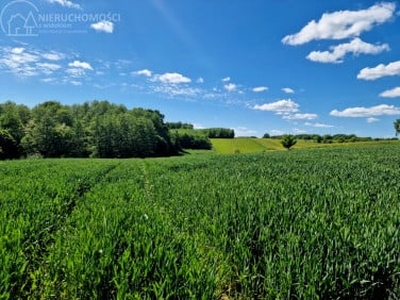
<point>38,249</point>
<point>146,182</point>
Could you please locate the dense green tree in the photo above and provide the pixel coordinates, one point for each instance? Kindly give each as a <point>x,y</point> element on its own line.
<point>266,136</point>
<point>288,141</point>
<point>97,129</point>
<point>13,118</point>
<point>179,125</point>
<point>193,139</point>
<point>8,145</point>
<point>145,138</point>
<point>397,126</point>
<point>221,133</point>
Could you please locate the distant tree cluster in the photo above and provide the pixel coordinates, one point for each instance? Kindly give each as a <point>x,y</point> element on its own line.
<point>191,139</point>
<point>327,138</point>
<point>92,129</point>
<point>219,133</point>
<point>179,125</point>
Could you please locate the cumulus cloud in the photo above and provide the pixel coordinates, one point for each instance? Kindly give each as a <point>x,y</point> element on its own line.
<point>342,24</point>
<point>281,106</point>
<point>356,46</point>
<point>81,65</point>
<point>360,112</point>
<point>103,26</point>
<point>288,90</point>
<point>173,78</point>
<point>66,3</point>
<point>144,72</point>
<point>200,80</point>
<point>260,89</point>
<point>226,79</point>
<point>231,87</point>
<point>393,93</point>
<point>392,69</point>
<point>299,116</point>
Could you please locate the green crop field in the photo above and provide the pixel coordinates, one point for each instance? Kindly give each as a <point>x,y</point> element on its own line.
<point>304,224</point>
<point>252,145</point>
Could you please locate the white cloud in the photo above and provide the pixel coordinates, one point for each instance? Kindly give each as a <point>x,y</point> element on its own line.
<point>200,80</point>
<point>173,90</point>
<point>380,71</point>
<point>103,26</point>
<point>144,72</point>
<point>226,79</point>
<point>19,61</point>
<point>48,79</point>
<point>81,65</point>
<point>48,68</point>
<point>17,50</point>
<point>300,117</point>
<point>260,89</point>
<point>75,82</point>
<point>288,90</point>
<point>66,3</point>
<point>230,87</point>
<point>244,131</point>
<point>198,126</point>
<point>356,46</point>
<point>281,106</point>
<point>76,72</point>
<point>173,78</point>
<point>342,24</point>
<point>372,120</point>
<point>359,112</point>
<point>318,125</point>
<point>277,132</point>
<point>53,56</point>
<point>299,131</point>
<point>393,93</point>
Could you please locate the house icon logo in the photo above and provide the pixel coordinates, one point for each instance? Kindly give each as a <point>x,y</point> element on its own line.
<point>18,19</point>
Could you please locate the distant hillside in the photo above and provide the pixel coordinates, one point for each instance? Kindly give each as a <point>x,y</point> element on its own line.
<point>249,145</point>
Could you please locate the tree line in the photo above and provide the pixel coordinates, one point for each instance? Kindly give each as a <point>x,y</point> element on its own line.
<point>92,129</point>
<point>327,138</point>
<point>212,133</point>
<point>95,129</point>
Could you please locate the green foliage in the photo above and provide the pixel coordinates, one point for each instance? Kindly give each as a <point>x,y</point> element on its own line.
<point>266,136</point>
<point>396,125</point>
<point>192,139</point>
<point>288,141</point>
<point>179,125</point>
<point>219,133</point>
<point>8,145</point>
<point>93,129</point>
<point>317,224</point>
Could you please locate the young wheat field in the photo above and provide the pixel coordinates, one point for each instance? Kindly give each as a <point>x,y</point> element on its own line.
<point>301,224</point>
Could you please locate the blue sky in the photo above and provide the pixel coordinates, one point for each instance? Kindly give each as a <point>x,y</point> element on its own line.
<point>257,66</point>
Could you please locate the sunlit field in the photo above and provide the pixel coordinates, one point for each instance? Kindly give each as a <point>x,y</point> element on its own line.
<point>251,145</point>
<point>304,224</point>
